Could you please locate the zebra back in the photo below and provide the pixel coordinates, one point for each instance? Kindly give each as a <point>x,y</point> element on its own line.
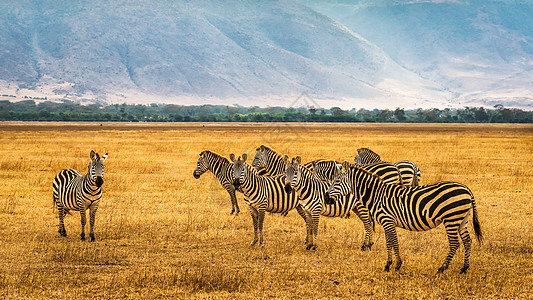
<point>268,162</point>
<point>409,171</point>
<point>325,170</point>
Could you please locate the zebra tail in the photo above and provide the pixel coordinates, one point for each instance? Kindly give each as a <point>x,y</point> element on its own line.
<point>475,221</point>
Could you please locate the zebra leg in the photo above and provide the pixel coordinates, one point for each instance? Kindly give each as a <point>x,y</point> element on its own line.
<point>83,222</point>
<point>260,219</point>
<point>61,210</point>
<point>253,213</point>
<point>92,219</point>
<point>314,218</point>
<point>392,244</point>
<point>364,215</point>
<point>302,213</point>
<point>453,239</point>
<point>234,205</point>
<point>467,243</point>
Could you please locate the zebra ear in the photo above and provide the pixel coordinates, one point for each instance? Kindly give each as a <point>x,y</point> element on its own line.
<point>104,157</point>
<point>93,155</point>
<point>286,159</point>
<point>345,165</point>
<point>298,160</point>
<point>232,157</point>
<point>244,156</point>
<point>314,164</point>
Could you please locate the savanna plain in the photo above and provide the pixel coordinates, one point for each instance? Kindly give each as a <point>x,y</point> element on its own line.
<point>163,234</point>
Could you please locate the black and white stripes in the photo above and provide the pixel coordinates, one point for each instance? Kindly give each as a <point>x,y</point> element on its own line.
<point>222,168</point>
<point>413,208</point>
<point>74,191</point>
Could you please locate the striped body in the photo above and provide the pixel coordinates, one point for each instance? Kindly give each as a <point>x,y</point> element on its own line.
<point>366,156</point>
<point>77,192</point>
<point>268,162</point>
<point>409,171</point>
<point>222,168</point>
<point>413,208</point>
<point>263,194</point>
<point>325,170</point>
<point>311,193</point>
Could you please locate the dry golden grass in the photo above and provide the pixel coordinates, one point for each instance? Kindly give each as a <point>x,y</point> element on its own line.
<point>162,234</point>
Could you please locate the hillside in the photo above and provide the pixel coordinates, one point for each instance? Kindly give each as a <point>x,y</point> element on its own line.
<point>262,53</point>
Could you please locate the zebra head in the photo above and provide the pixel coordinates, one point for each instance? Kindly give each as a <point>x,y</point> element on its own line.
<point>201,166</point>
<point>357,161</point>
<point>96,168</point>
<point>239,169</point>
<point>292,172</point>
<point>260,161</point>
<point>341,184</point>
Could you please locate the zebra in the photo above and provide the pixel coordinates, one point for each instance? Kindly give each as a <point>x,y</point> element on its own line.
<point>311,192</point>
<point>408,170</point>
<point>366,156</point>
<point>417,208</point>
<point>268,162</point>
<point>74,191</point>
<point>221,167</point>
<point>324,170</point>
<point>264,193</point>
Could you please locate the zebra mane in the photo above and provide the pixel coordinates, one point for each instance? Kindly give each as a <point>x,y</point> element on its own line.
<point>224,159</point>
<point>263,147</point>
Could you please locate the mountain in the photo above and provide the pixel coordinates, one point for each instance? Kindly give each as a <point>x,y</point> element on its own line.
<point>372,54</point>
<point>481,51</point>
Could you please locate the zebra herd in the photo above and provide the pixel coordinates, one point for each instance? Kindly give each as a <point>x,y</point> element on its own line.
<point>375,190</point>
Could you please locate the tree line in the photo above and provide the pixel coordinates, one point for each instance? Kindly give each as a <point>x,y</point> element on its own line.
<point>29,110</point>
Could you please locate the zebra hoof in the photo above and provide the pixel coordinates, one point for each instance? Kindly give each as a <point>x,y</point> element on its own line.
<point>463,270</point>
<point>387,267</point>
<point>398,265</point>
<point>82,237</point>
<point>310,247</point>
<point>92,238</point>
<point>441,269</point>
<point>253,243</point>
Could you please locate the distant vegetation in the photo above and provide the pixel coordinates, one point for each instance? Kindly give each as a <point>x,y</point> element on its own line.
<point>28,110</point>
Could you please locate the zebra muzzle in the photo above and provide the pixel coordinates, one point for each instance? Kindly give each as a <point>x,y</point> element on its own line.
<point>288,188</point>
<point>99,181</point>
<point>195,175</point>
<point>328,199</point>
<point>236,183</point>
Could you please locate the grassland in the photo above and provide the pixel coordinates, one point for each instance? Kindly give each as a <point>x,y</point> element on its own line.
<point>163,234</point>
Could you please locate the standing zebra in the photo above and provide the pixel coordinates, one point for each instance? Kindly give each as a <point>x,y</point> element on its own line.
<point>417,208</point>
<point>222,168</point>
<point>263,193</point>
<point>311,193</point>
<point>409,171</point>
<point>73,191</point>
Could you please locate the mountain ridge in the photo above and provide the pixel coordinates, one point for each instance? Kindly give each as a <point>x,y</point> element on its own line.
<point>244,52</point>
